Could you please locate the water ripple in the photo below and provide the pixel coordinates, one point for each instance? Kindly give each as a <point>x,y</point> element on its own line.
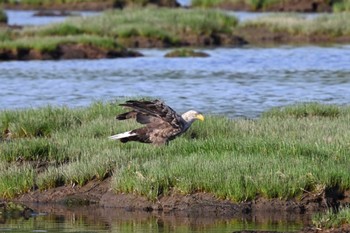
<point>234,82</point>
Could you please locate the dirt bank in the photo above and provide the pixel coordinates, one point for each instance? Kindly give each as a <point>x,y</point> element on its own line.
<point>65,51</point>
<point>96,192</point>
<point>99,194</point>
<point>265,36</point>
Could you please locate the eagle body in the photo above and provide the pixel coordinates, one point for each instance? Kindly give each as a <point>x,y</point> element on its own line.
<point>162,123</point>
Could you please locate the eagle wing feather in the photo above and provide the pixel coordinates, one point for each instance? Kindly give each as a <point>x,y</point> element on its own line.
<point>162,123</point>
<point>147,112</point>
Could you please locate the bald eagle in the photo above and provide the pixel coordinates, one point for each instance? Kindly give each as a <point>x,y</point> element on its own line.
<point>162,123</point>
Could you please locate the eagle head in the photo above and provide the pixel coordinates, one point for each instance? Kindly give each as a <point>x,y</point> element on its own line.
<point>192,115</point>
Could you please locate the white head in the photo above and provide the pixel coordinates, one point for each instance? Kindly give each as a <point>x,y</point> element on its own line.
<point>191,116</point>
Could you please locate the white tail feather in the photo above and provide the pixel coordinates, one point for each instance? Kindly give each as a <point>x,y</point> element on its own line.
<point>122,135</point>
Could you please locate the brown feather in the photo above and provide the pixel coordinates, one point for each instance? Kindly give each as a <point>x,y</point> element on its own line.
<point>162,123</point>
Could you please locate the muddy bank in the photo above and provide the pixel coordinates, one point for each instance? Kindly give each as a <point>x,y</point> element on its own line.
<point>99,195</point>
<point>66,51</point>
<point>254,36</point>
<point>265,36</point>
<point>88,51</point>
<point>99,192</point>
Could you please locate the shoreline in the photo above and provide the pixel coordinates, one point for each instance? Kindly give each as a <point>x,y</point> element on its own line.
<point>87,38</point>
<point>98,194</point>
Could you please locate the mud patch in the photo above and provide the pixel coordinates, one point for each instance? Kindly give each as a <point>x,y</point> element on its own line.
<point>99,192</point>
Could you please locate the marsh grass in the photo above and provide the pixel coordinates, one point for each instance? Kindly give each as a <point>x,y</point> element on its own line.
<point>280,155</point>
<point>15,180</point>
<point>148,22</point>
<point>332,218</point>
<point>337,24</point>
<point>340,6</point>
<point>5,34</point>
<point>252,4</point>
<point>50,43</point>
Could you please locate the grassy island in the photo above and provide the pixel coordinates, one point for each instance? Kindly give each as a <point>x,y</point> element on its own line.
<point>153,27</point>
<point>276,5</point>
<point>283,154</point>
<point>165,27</point>
<point>132,27</point>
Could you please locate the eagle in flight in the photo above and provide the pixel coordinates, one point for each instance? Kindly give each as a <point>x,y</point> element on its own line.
<point>162,123</point>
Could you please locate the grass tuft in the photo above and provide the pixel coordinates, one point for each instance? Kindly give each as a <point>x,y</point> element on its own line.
<point>334,25</point>
<point>331,218</point>
<point>305,110</point>
<point>49,44</point>
<point>15,180</point>
<point>340,6</point>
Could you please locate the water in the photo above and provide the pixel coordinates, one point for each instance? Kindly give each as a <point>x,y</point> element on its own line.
<point>27,18</point>
<point>94,219</point>
<point>237,82</point>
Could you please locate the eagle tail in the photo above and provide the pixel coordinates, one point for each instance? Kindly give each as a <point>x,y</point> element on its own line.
<point>123,135</point>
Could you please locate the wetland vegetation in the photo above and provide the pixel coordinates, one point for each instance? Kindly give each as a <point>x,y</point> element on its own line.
<point>332,218</point>
<point>165,27</point>
<point>275,5</point>
<point>283,154</point>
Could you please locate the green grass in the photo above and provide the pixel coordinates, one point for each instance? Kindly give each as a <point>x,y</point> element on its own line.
<point>51,43</point>
<point>340,6</point>
<point>251,4</point>
<point>15,179</point>
<point>185,52</point>
<point>337,24</point>
<point>331,218</point>
<point>5,34</point>
<point>280,155</point>
<point>116,26</point>
<point>171,27</point>
<point>145,22</point>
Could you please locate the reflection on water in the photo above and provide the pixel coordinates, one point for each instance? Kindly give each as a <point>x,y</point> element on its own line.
<point>232,81</point>
<point>94,219</point>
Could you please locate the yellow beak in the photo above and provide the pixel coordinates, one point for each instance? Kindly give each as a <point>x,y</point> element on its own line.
<point>200,117</point>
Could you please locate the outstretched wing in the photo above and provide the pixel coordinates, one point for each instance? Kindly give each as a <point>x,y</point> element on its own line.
<point>151,112</point>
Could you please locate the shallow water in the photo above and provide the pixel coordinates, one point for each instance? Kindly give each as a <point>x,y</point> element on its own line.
<point>27,18</point>
<point>232,81</point>
<point>92,219</point>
